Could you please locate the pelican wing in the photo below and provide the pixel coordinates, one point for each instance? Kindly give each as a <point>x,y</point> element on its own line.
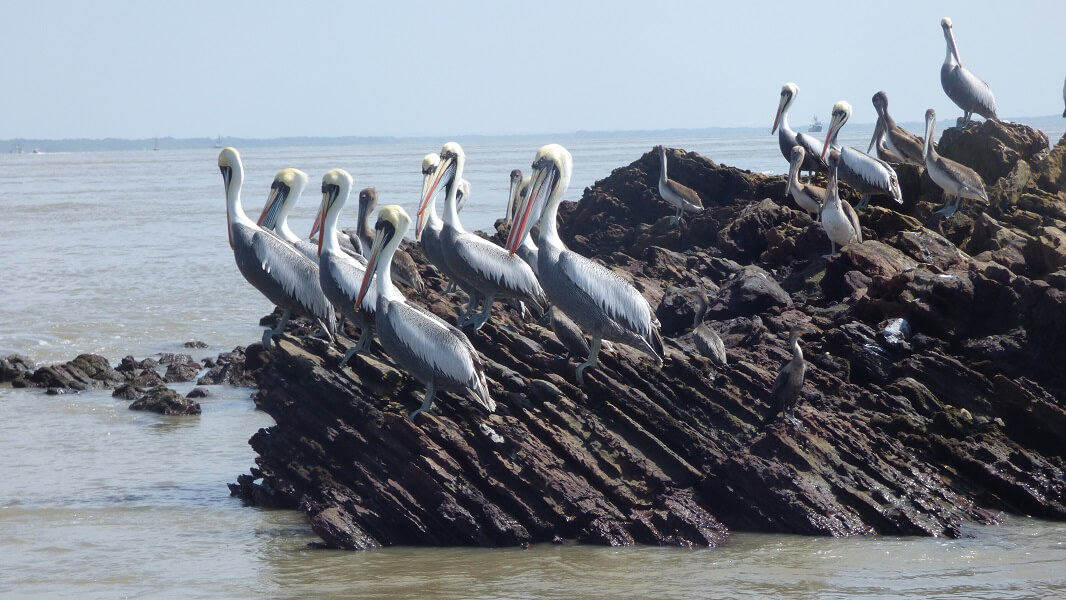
<point>969,91</point>
<point>440,346</point>
<point>968,179</point>
<point>295,273</point>
<point>865,172</point>
<point>491,262</point>
<point>618,299</point>
<point>853,218</point>
<point>348,273</point>
<point>813,149</point>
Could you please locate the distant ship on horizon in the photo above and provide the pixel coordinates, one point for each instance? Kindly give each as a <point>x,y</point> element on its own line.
<point>815,125</point>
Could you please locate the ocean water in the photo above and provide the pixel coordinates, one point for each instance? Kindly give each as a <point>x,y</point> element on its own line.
<point>126,253</point>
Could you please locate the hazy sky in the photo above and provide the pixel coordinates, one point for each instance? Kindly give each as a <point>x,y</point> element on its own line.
<point>263,69</point>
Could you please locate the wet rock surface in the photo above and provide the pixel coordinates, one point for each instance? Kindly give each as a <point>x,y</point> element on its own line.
<point>165,401</point>
<point>933,394</point>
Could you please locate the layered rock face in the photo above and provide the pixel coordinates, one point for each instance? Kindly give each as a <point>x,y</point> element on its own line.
<point>933,394</point>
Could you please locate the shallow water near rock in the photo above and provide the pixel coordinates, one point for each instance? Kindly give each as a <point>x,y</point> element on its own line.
<point>125,253</point>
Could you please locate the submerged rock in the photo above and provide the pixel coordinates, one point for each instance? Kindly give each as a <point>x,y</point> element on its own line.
<point>165,401</point>
<point>932,396</point>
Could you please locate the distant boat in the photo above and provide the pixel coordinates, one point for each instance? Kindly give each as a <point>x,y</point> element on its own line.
<point>218,142</point>
<point>156,146</point>
<point>815,125</point>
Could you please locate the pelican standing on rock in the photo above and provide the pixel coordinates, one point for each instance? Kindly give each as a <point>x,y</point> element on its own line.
<point>964,88</point>
<point>284,192</point>
<point>809,197</point>
<point>957,180</point>
<point>279,271</point>
<point>340,274</point>
<point>868,175</point>
<point>680,196</point>
<point>705,338</point>
<point>428,225</point>
<point>434,352</point>
<point>599,300</point>
<point>404,268</point>
<point>877,144</point>
<point>787,138</point>
<point>789,382</point>
<point>839,219</point>
<point>483,269</point>
<point>901,142</point>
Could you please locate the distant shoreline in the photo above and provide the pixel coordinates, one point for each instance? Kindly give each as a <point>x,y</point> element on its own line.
<point>29,145</point>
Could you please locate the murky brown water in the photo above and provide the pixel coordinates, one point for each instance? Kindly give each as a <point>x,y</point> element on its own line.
<point>125,253</point>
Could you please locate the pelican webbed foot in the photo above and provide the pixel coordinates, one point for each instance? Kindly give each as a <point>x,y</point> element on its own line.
<point>593,360</point>
<point>427,401</point>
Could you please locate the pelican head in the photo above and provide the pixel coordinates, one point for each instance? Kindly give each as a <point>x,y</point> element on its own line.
<point>368,199</point>
<point>552,166</point>
<point>288,183</point>
<point>795,161</point>
<point>229,160</point>
<point>452,159</point>
<point>880,102</point>
<point>788,94</point>
<point>949,37</point>
<point>392,224</point>
<point>930,126</point>
<point>841,114</point>
<point>462,192</point>
<point>512,195</point>
<point>429,167</point>
<point>336,185</point>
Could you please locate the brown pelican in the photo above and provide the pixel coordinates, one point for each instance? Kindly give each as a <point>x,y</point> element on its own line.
<point>681,197</point>
<point>901,142</point>
<point>789,381</point>
<point>480,267</point>
<point>404,268</point>
<point>963,87</point>
<point>787,138</point>
<point>279,271</point>
<point>958,181</point>
<point>284,192</point>
<point>809,197</point>
<point>706,339</point>
<point>868,175</point>
<point>434,352</point>
<point>600,301</point>
<point>340,274</point>
<point>839,219</point>
<point>877,143</point>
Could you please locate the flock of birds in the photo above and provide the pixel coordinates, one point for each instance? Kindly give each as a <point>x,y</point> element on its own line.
<point>351,275</point>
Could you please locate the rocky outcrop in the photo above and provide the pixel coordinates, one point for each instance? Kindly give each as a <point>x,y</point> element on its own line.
<point>165,401</point>
<point>933,394</point>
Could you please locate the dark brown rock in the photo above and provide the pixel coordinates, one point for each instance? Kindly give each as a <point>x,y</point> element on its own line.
<point>165,401</point>
<point>14,366</point>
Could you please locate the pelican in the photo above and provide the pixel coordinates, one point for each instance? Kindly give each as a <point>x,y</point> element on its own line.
<point>404,268</point>
<point>809,197</point>
<point>957,180</point>
<point>483,269</point>
<point>434,352</point>
<point>681,197</point>
<point>868,175</point>
<point>788,138</point>
<point>789,381</point>
<point>526,250</point>
<point>877,143</point>
<point>839,219</point>
<point>428,225</point>
<point>339,273</point>
<point>279,271</point>
<point>963,87</point>
<point>284,192</point>
<point>1064,99</point>
<point>600,301</point>
<point>706,339</point>
<point>901,142</point>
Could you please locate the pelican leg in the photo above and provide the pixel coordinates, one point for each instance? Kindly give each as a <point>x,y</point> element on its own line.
<point>677,217</point>
<point>832,250</point>
<point>468,310</point>
<point>270,333</point>
<point>361,345</point>
<point>863,202</point>
<point>427,401</point>
<point>483,317</point>
<point>593,361</point>
<point>949,208</point>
